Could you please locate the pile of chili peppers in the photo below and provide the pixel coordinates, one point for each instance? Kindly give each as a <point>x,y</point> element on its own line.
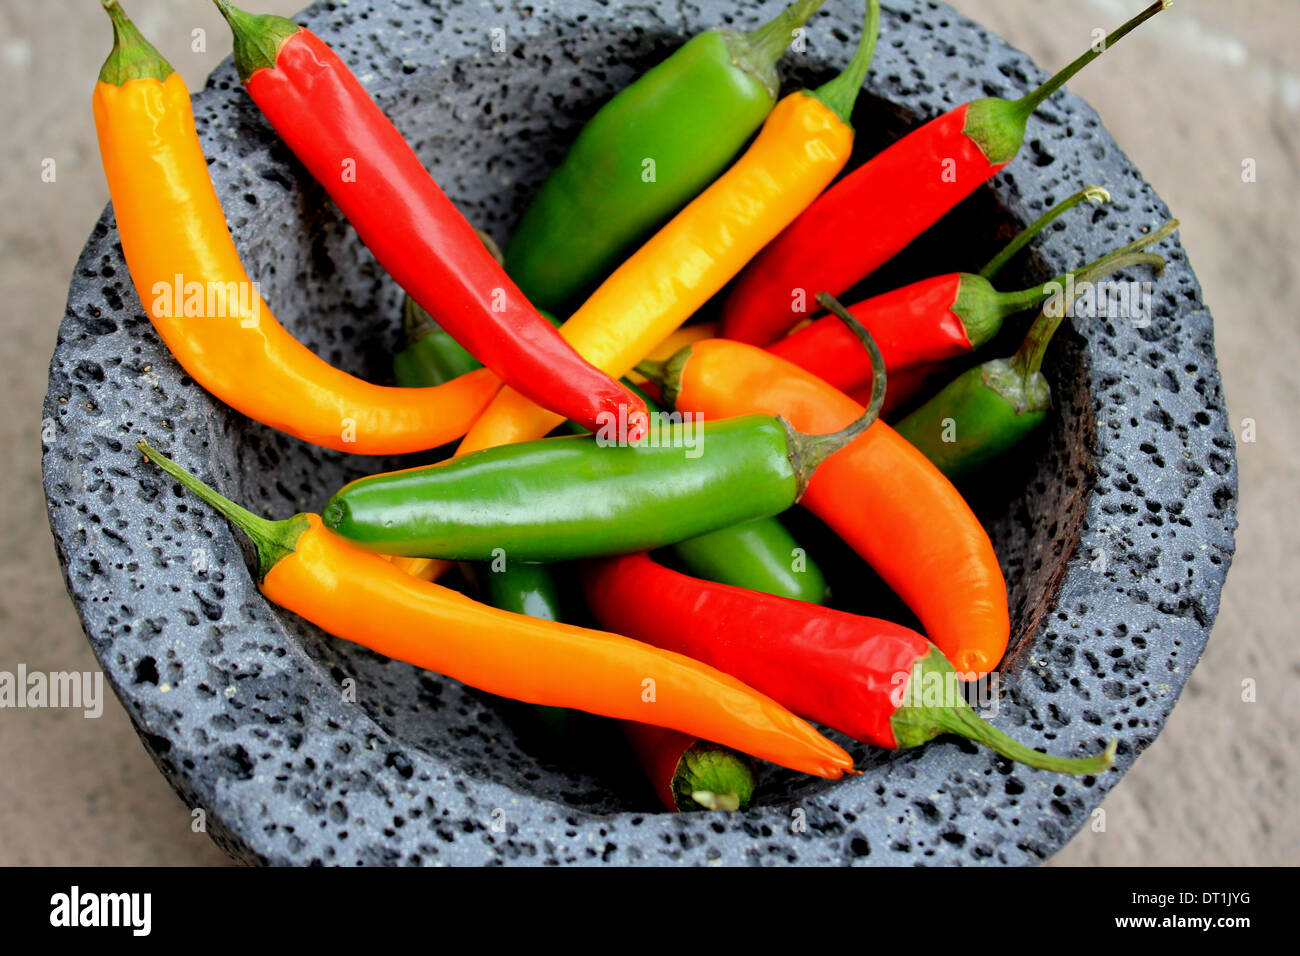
<point>687,427</point>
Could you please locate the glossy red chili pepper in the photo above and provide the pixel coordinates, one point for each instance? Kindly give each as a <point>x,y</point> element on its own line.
<point>900,193</point>
<point>917,328</point>
<point>347,143</point>
<point>913,326</point>
<point>878,682</point>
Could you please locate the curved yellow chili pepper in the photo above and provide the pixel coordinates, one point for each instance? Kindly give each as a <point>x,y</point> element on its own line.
<point>800,149</point>
<point>180,252</point>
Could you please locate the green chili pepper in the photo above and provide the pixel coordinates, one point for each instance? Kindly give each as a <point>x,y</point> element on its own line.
<point>761,555</point>
<point>647,153</point>
<point>431,357</point>
<point>563,498</point>
<point>992,407</point>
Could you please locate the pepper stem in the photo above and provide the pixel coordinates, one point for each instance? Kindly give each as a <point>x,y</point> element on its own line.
<point>132,57</point>
<point>932,706</point>
<point>757,51</point>
<point>1028,104</point>
<point>416,323</point>
<point>809,451</point>
<point>652,370</point>
<point>1029,359</point>
<point>1093,193</point>
<point>258,37</point>
<point>274,540</point>
<point>1009,303</point>
<point>712,777</point>
<point>841,93</point>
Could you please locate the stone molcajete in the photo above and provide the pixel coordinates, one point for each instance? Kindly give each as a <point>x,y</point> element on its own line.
<point>1114,525</point>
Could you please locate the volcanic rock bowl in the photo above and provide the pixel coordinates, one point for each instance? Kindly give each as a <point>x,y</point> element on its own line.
<point>1114,526</point>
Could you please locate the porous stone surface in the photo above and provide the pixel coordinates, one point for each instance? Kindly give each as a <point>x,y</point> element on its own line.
<point>1115,526</point>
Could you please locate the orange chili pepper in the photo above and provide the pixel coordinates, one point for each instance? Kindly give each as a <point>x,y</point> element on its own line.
<point>361,597</point>
<point>176,243</point>
<point>879,494</point>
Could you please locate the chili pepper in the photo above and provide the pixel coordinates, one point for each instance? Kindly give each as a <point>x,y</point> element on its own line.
<point>344,139</point>
<point>803,145</point>
<point>645,154</point>
<point>360,597</point>
<point>564,498</point>
<point>175,240</point>
<point>761,555</point>
<point>879,494</point>
<point>920,326</point>
<point>692,774</point>
<point>901,193</point>
<point>992,407</point>
<point>431,356</point>
<point>878,682</point>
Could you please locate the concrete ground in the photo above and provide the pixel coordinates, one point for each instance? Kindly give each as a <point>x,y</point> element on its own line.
<point>1192,97</point>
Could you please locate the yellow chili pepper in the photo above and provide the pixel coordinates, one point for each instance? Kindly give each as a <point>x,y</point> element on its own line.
<point>179,250</point>
<point>801,148</point>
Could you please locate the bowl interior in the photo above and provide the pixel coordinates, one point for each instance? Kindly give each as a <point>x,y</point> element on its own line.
<point>489,131</point>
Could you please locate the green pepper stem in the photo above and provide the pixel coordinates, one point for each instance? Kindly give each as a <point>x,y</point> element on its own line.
<point>274,540</point>
<point>258,37</point>
<point>713,777</point>
<point>132,57</point>
<point>652,369</point>
<point>1029,359</point>
<point>416,323</point>
<point>1028,104</point>
<point>764,45</point>
<point>1009,303</point>
<point>930,707</point>
<point>1094,193</point>
<point>809,451</point>
<point>841,93</point>
<point>963,721</point>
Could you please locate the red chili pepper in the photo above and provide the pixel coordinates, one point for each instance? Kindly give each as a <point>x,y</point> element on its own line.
<point>347,143</point>
<point>917,328</point>
<point>914,326</point>
<point>900,193</point>
<point>879,494</point>
<point>878,682</point>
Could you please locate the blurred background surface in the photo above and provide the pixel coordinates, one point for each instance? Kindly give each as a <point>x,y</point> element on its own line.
<point>1190,98</point>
